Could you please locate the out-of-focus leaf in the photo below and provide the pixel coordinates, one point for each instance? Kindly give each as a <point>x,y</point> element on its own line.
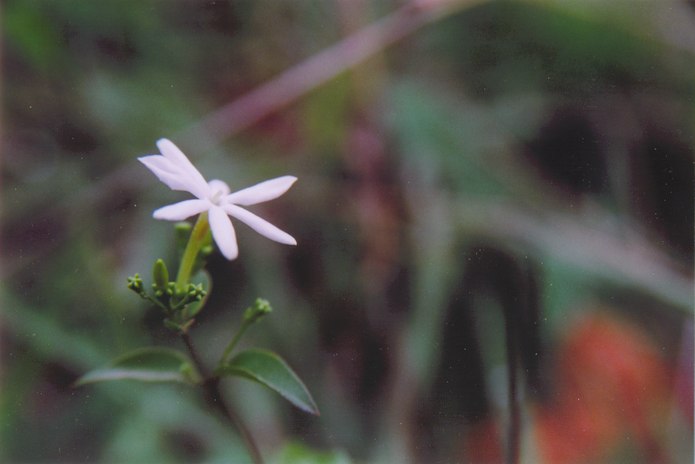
<point>33,33</point>
<point>468,153</point>
<point>270,370</point>
<point>147,365</point>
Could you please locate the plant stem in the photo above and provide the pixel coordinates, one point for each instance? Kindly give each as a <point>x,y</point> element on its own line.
<point>214,398</point>
<point>211,383</point>
<point>227,351</point>
<point>195,242</point>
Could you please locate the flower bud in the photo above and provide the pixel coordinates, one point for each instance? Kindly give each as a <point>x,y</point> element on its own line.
<point>259,309</point>
<point>196,292</point>
<point>135,284</point>
<point>160,275</point>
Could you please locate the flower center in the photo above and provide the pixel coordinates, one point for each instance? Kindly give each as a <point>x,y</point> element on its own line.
<point>218,190</point>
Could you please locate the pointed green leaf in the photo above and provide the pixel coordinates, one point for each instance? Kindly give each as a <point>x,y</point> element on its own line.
<point>269,369</point>
<point>147,365</point>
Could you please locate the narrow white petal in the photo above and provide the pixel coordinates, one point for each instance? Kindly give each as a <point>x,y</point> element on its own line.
<point>223,232</point>
<point>171,151</point>
<point>173,175</point>
<point>261,226</point>
<point>268,190</point>
<point>165,171</point>
<point>181,210</point>
<point>195,180</point>
<point>158,163</point>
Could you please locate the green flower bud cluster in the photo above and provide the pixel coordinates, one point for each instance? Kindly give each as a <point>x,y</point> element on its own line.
<point>259,310</point>
<point>176,301</point>
<point>135,284</point>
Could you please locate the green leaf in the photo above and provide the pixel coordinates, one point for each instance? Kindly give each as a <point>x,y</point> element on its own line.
<point>269,369</point>
<point>147,365</point>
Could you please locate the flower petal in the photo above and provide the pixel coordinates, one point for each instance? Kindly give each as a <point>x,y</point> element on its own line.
<point>174,175</point>
<point>261,226</point>
<point>223,232</point>
<point>171,152</point>
<point>264,191</point>
<point>197,183</point>
<point>165,171</point>
<point>181,210</point>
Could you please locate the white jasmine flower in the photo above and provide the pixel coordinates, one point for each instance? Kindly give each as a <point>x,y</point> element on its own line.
<point>178,173</point>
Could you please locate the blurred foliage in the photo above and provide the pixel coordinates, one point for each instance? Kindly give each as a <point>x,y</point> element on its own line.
<point>525,162</point>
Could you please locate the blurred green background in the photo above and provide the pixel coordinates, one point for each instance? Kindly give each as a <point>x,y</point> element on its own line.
<point>519,162</point>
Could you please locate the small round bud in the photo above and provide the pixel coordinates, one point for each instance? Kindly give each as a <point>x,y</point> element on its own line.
<point>259,309</point>
<point>135,284</point>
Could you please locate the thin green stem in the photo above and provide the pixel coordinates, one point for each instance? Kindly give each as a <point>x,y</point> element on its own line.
<point>227,351</point>
<point>155,302</point>
<point>195,242</point>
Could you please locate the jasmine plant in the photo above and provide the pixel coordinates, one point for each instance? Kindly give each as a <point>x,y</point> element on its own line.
<point>183,298</point>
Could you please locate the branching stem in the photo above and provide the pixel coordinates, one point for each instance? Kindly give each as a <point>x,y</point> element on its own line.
<point>214,399</point>
<point>211,382</point>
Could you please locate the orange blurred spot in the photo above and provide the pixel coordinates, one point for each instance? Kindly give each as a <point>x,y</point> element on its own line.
<point>612,386</point>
